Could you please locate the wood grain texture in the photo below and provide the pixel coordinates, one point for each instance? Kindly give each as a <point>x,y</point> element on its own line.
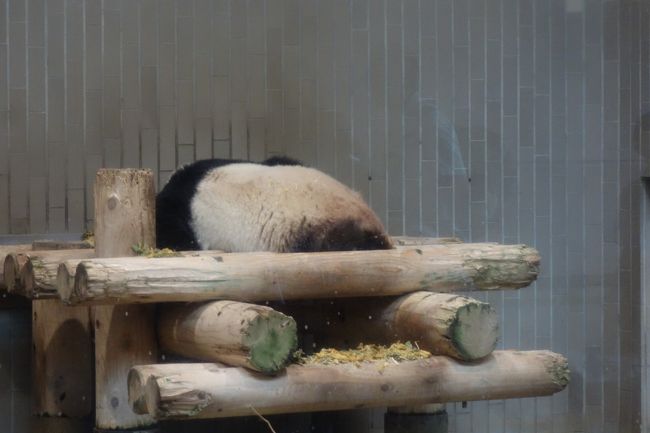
<point>194,391</point>
<point>38,276</point>
<point>62,359</point>
<point>441,323</point>
<point>124,335</point>
<point>233,333</point>
<point>4,251</point>
<point>252,277</point>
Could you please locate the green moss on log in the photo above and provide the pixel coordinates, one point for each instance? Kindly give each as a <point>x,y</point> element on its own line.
<point>463,330</point>
<point>271,338</point>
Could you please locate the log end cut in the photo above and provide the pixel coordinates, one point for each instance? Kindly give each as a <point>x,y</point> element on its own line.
<point>10,272</point>
<point>137,381</point>
<point>557,367</point>
<point>272,339</point>
<point>65,281</point>
<point>474,331</point>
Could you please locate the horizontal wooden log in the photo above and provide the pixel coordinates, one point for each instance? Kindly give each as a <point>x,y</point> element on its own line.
<point>251,277</point>
<point>206,391</point>
<point>441,323</point>
<point>235,333</point>
<point>33,273</point>
<point>37,270</point>
<point>45,257</point>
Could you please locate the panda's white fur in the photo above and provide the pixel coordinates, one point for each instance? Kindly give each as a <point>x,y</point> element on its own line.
<point>252,207</point>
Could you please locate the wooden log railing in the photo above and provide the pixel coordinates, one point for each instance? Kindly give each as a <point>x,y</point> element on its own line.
<point>251,277</point>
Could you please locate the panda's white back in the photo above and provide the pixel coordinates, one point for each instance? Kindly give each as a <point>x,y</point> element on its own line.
<point>252,207</point>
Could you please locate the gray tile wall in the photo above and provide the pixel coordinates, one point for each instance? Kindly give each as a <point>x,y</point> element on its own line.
<point>493,120</point>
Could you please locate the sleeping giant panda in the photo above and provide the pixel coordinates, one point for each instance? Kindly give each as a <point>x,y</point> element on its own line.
<point>278,205</point>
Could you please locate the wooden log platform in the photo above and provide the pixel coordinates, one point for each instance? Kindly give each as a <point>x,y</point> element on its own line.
<point>38,279</point>
<point>441,323</point>
<point>251,277</point>
<point>235,333</point>
<point>193,391</point>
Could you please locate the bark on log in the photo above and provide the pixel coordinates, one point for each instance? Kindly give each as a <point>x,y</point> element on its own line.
<point>34,273</point>
<point>205,391</point>
<point>444,324</point>
<point>235,333</point>
<point>124,334</point>
<point>251,277</point>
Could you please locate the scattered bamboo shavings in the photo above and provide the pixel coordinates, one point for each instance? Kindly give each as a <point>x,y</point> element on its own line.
<point>396,353</point>
<point>150,252</point>
<point>88,237</point>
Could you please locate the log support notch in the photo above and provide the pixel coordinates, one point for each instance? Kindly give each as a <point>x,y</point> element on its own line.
<point>441,323</point>
<point>125,334</point>
<point>235,333</point>
<point>193,391</point>
<point>252,277</point>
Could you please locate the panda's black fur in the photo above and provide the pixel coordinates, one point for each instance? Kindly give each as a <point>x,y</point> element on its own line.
<point>314,212</point>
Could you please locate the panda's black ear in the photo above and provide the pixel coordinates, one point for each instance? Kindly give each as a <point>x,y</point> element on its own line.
<point>281,160</point>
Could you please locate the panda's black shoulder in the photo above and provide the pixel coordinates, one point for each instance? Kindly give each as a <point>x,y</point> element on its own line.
<point>281,160</point>
<point>173,204</point>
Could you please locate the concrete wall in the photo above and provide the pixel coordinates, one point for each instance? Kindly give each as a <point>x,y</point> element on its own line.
<point>499,120</point>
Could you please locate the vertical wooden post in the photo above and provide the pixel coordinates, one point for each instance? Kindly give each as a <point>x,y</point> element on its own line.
<point>62,359</point>
<point>62,366</point>
<point>124,335</point>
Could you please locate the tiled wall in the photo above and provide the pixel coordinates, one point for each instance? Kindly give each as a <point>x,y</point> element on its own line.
<point>499,120</point>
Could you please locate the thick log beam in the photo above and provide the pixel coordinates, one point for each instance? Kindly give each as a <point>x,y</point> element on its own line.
<point>441,323</point>
<point>235,333</point>
<point>124,334</point>
<point>33,273</point>
<point>250,277</point>
<point>196,391</point>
